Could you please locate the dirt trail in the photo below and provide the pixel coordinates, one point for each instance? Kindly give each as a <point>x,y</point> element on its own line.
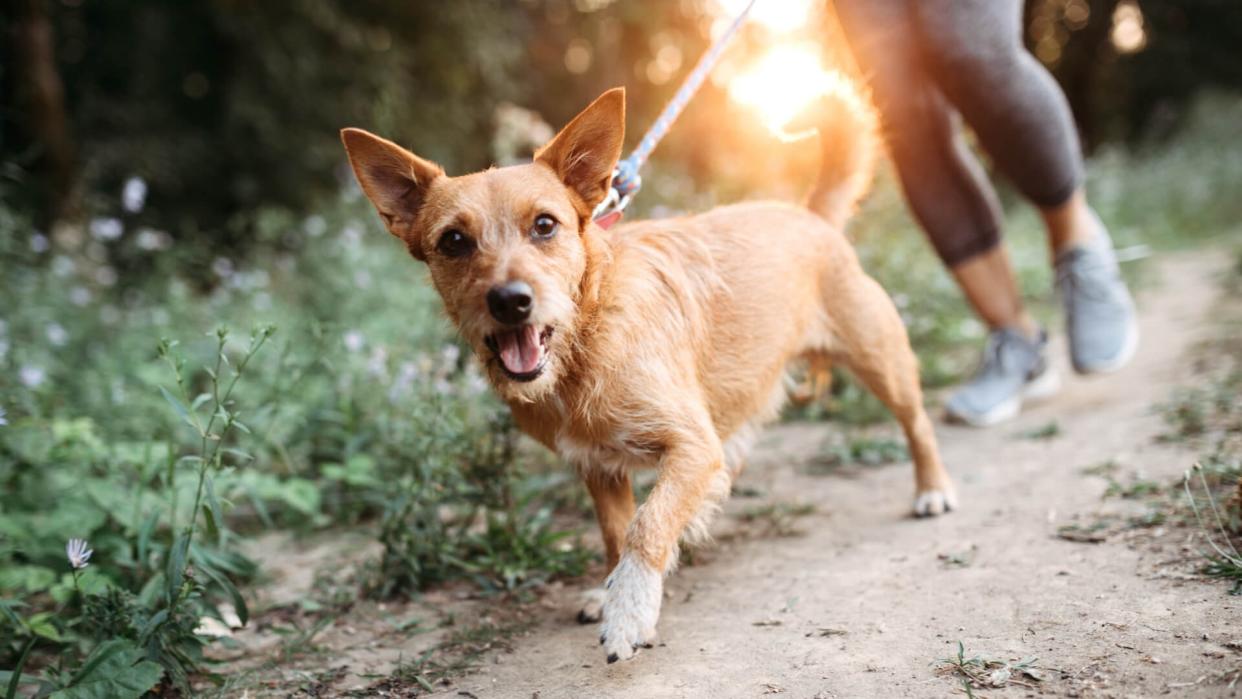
<point>1117,617</point>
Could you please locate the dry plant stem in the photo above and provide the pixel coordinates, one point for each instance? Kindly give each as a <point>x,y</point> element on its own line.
<point>1234,557</point>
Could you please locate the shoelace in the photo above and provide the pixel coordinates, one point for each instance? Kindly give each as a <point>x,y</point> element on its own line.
<point>1083,277</point>
<point>994,354</point>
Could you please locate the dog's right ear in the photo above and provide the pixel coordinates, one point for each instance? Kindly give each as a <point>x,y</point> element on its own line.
<point>394,179</point>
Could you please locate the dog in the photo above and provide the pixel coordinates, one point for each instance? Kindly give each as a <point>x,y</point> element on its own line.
<point>657,344</point>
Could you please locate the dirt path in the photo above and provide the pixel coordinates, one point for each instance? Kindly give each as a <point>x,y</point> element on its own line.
<point>867,601</point>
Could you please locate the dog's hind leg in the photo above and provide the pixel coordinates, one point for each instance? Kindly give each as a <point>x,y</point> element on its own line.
<point>871,341</point>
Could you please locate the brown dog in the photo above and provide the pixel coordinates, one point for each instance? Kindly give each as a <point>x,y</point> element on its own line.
<point>659,344</point>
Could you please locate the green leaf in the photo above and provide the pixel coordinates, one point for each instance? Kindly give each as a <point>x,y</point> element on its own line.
<point>239,602</point>
<point>16,678</point>
<point>144,537</point>
<point>199,400</point>
<point>41,625</point>
<point>26,578</point>
<point>152,624</point>
<point>212,509</point>
<point>116,670</point>
<point>176,568</point>
<point>183,411</point>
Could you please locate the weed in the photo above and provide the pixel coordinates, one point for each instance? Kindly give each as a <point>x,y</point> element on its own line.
<point>862,451</point>
<point>980,672</point>
<point>1219,531</point>
<point>777,519</point>
<point>457,655</point>
<point>1046,431</point>
<point>1103,468</point>
<point>1136,488</point>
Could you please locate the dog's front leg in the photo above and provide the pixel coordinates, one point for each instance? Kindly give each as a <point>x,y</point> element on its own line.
<point>614,508</point>
<point>635,587</point>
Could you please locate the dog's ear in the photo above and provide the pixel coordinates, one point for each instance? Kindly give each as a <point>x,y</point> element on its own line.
<point>394,179</point>
<point>585,152</point>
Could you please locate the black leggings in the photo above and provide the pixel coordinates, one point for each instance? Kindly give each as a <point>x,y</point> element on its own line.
<point>929,63</point>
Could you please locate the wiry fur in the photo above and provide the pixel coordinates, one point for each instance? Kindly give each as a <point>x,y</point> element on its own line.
<point>670,339</point>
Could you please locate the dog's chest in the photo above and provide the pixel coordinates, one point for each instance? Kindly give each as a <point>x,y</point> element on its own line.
<point>614,454</point>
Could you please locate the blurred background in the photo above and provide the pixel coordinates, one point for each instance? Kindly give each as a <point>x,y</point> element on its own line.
<point>217,110</point>
<point>167,168</point>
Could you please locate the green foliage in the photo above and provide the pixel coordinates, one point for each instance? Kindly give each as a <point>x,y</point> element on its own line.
<point>363,410</point>
<point>475,516</point>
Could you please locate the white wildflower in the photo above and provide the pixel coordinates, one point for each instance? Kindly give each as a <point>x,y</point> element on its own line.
<point>134,194</point>
<point>354,341</point>
<point>56,334</point>
<point>78,553</point>
<point>39,243</point>
<point>377,365</point>
<point>80,295</point>
<point>4,418</point>
<point>63,266</point>
<point>352,235</point>
<point>315,226</point>
<point>450,353</point>
<point>151,239</point>
<point>406,373</point>
<point>106,228</point>
<point>223,267</point>
<point>106,276</point>
<point>31,376</point>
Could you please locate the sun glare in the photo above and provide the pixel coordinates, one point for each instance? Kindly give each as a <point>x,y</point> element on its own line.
<point>784,82</point>
<point>777,15</point>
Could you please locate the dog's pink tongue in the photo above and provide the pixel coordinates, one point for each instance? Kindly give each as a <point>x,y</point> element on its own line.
<point>520,350</point>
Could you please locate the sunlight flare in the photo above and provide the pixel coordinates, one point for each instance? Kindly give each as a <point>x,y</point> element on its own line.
<point>784,82</point>
<point>779,16</point>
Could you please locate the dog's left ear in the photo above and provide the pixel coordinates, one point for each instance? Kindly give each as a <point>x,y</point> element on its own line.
<point>585,152</point>
<point>393,178</point>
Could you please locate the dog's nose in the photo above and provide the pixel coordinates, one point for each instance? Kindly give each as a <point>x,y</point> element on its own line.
<point>511,303</point>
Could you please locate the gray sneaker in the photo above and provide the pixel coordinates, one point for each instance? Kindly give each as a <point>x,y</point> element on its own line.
<point>1013,370</point>
<point>1099,313</point>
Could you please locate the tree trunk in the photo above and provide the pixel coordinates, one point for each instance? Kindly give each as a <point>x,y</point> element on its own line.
<point>40,88</point>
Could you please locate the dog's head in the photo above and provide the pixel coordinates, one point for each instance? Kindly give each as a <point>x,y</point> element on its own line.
<point>506,247</point>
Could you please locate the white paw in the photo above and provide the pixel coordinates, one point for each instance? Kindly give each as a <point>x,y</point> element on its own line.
<point>930,503</point>
<point>592,605</point>
<point>631,609</point>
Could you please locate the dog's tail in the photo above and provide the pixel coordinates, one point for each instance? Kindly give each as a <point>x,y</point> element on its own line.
<point>849,140</point>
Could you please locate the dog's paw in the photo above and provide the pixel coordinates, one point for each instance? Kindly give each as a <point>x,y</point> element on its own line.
<point>930,503</point>
<point>592,605</point>
<point>631,609</point>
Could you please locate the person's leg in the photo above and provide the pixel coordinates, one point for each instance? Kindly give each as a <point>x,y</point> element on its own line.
<point>944,184</point>
<point>953,201</point>
<point>973,49</point>
<point>988,281</point>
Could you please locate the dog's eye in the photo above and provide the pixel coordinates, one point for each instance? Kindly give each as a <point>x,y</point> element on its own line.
<point>544,227</point>
<point>454,243</point>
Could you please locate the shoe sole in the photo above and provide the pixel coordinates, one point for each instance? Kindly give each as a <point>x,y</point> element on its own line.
<point>1046,385</point>
<point>1128,349</point>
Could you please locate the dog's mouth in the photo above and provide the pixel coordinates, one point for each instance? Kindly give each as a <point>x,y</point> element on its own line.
<point>522,352</point>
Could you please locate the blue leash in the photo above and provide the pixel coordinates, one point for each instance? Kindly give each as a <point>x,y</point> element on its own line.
<point>625,179</point>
